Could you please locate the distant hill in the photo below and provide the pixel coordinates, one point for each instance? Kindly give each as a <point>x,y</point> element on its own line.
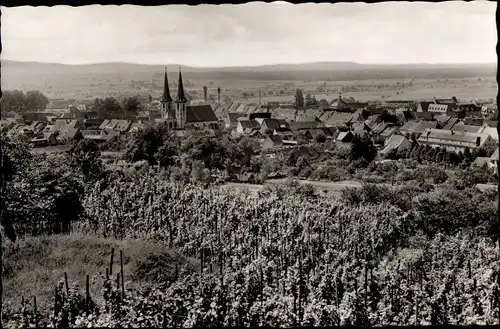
<point>120,79</point>
<point>35,67</point>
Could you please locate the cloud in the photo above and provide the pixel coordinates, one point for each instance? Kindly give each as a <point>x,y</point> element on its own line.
<point>253,33</point>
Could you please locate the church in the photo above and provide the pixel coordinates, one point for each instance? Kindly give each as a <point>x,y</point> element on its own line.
<point>180,115</point>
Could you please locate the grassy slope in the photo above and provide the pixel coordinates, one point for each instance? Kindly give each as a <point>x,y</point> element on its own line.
<point>34,266</point>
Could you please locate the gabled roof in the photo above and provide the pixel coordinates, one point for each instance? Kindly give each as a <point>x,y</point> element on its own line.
<point>394,142</point>
<point>494,156</point>
<point>451,122</point>
<point>304,125</point>
<point>104,124</point>
<point>466,128</point>
<point>379,128</point>
<point>275,123</point>
<point>423,125</point>
<point>425,105</point>
<point>424,115</point>
<point>112,124</point>
<point>450,136</point>
<point>342,135</point>
<point>491,123</point>
<point>200,113</point>
<point>277,140</point>
<point>388,131</point>
<point>123,125</point>
<point>337,117</point>
<point>249,124</point>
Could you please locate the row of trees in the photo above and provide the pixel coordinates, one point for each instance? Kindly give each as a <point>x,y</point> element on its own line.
<point>301,101</point>
<point>421,152</point>
<point>110,104</point>
<point>19,102</point>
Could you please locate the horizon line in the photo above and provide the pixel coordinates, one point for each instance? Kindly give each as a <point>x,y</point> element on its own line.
<point>250,65</point>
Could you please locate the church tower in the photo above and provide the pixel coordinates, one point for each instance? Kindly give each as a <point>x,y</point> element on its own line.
<point>167,103</point>
<point>180,103</point>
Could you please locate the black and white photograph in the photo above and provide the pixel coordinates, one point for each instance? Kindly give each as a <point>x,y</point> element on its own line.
<point>263,164</point>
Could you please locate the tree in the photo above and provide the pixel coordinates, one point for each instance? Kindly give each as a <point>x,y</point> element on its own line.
<point>362,148</point>
<point>299,99</point>
<point>131,104</point>
<point>86,156</point>
<point>13,100</point>
<point>19,102</point>
<point>35,101</point>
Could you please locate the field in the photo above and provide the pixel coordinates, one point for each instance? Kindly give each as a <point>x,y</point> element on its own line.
<point>406,83</point>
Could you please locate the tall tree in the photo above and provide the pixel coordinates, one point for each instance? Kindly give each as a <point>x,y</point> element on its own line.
<point>299,99</point>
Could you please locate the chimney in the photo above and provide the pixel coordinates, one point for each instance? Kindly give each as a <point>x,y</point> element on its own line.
<point>218,95</point>
<point>205,93</point>
<point>340,96</point>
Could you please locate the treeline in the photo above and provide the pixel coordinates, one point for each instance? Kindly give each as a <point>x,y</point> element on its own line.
<point>426,153</point>
<point>19,102</point>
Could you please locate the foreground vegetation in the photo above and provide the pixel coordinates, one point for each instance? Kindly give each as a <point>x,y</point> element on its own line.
<point>420,254</point>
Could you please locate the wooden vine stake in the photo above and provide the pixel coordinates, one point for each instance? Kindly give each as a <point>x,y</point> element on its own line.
<point>66,283</point>
<point>111,261</point>
<point>36,311</point>
<point>87,291</point>
<point>121,271</point>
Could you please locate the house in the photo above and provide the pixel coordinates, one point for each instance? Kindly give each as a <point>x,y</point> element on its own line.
<point>385,134</point>
<point>330,132</point>
<point>271,142</point>
<point>451,123</point>
<point>440,108</point>
<point>395,142</point>
<point>136,126</point>
<point>44,139</point>
<point>455,141</point>
<point>304,125</point>
<point>344,137</point>
<point>466,128</point>
<point>123,126</point>
<point>482,162</point>
<point>425,116</point>
<point>231,120</point>
<point>70,134</point>
<point>494,161</point>
<point>340,105</point>
<point>336,119</point>
<point>6,125</point>
<point>492,131</point>
<point>313,134</point>
<point>360,115</point>
<point>423,126</point>
<point>272,124</point>
<point>360,126</point>
<point>284,133</point>
<point>247,126</point>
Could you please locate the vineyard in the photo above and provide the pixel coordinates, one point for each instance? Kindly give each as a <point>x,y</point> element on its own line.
<point>277,259</point>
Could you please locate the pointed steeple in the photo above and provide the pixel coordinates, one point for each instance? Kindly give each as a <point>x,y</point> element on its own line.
<point>181,98</point>
<point>166,91</point>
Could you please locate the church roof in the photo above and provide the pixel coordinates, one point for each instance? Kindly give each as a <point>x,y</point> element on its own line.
<point>200,113</point>
<point>166,90</point>
<point>181,97</point>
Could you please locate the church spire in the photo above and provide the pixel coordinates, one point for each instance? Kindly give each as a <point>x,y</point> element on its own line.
<point>166,91</point>
<point>180,89</point>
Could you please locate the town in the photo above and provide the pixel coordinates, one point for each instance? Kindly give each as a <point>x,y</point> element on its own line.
<point>392,126</point>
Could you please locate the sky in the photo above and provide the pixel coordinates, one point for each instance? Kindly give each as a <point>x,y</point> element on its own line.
<point>255,33</point>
